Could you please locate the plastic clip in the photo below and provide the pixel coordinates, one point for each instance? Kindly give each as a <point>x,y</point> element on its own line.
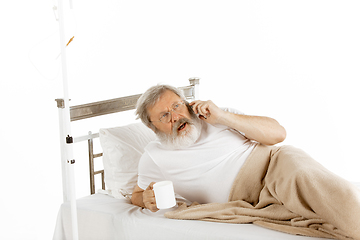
<point>69,139</point>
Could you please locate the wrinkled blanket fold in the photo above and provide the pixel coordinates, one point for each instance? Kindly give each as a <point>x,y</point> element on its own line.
<point>284,189</point>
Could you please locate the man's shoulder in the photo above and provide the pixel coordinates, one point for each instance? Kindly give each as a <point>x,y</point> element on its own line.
<point>148,153</point>
<point>152,145</point>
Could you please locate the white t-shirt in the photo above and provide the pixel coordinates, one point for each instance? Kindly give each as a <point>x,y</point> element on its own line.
<point>203,172</point>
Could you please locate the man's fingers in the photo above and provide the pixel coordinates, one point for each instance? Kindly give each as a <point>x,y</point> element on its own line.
<point>149,198</point>
<point>194,106</point>
<point>152,207</point>
<point>204,110</point>
<point>201,107</point>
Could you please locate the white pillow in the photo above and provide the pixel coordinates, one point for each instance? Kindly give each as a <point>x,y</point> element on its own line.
<point>122,149</point>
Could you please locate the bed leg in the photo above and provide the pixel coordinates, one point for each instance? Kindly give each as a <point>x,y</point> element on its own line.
<point>103,180</point>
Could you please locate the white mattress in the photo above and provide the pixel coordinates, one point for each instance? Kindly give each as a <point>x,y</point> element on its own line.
<point>104,217</point>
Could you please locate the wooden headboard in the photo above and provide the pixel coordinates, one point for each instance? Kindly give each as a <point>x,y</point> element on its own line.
<point>116,105</point>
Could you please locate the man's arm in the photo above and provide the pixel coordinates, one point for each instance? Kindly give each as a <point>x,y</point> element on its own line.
<point>264,130</point>
<point>144,198</point>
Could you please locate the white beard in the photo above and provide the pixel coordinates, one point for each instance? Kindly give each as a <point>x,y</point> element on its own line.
<point>184,139</point>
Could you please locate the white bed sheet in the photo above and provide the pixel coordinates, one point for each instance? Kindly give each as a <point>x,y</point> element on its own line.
<point>104,217</point>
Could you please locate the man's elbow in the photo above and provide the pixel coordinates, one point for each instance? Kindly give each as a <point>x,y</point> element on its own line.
<point>280,136</point>
<point>276,137</point>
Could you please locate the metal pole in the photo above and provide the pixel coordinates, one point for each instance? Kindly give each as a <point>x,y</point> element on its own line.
<point>66,124</point>
<point>60,105</point>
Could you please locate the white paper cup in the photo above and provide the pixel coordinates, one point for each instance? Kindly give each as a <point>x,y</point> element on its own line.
<point>164,194</point>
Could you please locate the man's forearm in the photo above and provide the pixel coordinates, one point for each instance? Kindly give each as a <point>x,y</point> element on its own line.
<point>261,129</point>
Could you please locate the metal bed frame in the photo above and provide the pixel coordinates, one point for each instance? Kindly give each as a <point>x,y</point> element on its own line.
<point>94,109</point>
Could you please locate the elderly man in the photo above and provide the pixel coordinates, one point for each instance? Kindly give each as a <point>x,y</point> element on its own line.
<point>201,148</point>
<point>189,144</point>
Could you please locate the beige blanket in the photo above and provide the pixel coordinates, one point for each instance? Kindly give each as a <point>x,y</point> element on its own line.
<point>284,189</point>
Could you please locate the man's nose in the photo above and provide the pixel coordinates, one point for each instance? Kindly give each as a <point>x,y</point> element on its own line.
<point>175,116</point>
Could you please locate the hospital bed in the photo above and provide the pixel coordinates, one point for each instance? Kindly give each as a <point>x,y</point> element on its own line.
<point>108,213</point>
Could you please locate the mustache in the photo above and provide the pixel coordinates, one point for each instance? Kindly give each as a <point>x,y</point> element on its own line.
<point>180,122</point>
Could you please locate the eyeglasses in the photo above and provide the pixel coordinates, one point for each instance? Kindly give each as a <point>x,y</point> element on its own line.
<point>177,107</point>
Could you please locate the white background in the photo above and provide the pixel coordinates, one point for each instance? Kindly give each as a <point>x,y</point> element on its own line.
<point>295,61</point>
